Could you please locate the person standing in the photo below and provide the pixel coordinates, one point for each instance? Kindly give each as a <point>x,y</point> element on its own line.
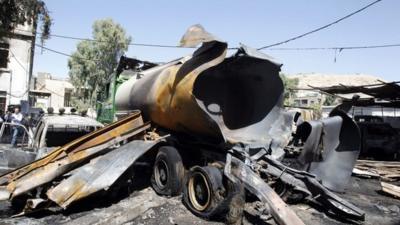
<point>16,118</point>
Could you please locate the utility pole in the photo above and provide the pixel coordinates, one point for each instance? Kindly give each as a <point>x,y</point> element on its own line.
<point>32,56</point>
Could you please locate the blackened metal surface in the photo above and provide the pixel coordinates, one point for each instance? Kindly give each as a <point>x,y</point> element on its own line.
<point>236,170</point>
<point>239,94</point>
<point>336,167</point>
<point>71,155</point>
<point>236,99</point>
<point>312,147</point>
<point>308,184</point>
<point>99,174</point>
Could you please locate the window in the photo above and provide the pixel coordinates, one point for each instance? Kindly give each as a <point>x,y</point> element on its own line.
<point>67,99</point>
<point>304,102</point>
<point>2,102</point>
<point>4,55</point>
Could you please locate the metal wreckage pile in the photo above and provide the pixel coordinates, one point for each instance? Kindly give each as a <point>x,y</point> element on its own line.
<point>221,134</point>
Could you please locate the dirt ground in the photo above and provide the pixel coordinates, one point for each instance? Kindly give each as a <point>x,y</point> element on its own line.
<point>144,207</point>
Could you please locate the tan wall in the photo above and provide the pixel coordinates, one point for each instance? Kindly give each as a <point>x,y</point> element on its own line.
<point>56,87</point>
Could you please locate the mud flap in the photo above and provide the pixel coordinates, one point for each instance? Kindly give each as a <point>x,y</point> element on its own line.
<point>336,168</point>
<point>331,149</point>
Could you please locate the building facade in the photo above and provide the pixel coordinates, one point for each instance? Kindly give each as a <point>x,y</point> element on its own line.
<point>49,91</point>
<point>16,59</point>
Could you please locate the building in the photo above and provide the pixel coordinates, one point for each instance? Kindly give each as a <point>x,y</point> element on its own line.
<point>48,91</point>
<point>16,59</point>
<point>304,96</point>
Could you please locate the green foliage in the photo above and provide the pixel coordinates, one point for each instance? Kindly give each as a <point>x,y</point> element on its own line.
<point>289,84</point>
<point>19,12</point>
<point>92,64</point>
<point>329,100</point>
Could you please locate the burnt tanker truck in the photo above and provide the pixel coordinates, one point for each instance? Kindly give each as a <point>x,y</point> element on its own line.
<point>218,133</point>
<point>215,105</point>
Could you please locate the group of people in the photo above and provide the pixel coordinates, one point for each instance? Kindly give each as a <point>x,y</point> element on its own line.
<point>15,119</point>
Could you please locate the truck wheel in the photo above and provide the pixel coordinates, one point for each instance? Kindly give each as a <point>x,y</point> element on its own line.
<point>168,172</point>
<point>206,195</point>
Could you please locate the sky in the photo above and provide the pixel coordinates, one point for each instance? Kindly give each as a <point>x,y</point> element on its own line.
<point>255,23</point>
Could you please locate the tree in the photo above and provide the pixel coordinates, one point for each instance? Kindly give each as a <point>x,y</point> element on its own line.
<point>94,61</point>
<point>329,100</point>
<point>20,12</point>
<point>289,84</point>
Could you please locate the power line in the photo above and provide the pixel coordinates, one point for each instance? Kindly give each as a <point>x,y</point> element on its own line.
<point>176,46</point>
<point>336,48</point>
<point>134,44</point>
<point>27,90</point>
<point>94,40</point>
<point>131,44</point>
<point>274,49</point>
<point>23,67</point>
<point>63,53</point>
<point>17,60</point>
<point>321,28</point>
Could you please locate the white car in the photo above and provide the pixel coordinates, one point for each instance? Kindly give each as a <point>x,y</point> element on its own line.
<point>50,132</point>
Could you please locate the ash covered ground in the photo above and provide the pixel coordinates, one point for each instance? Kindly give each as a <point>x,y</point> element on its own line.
<point>141,205</point>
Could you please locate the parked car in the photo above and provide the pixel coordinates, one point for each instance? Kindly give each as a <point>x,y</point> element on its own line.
<point>49,132</point>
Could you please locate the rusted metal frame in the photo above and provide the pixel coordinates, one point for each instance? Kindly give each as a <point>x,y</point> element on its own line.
<point>236,169</point>
<point>54,169</point>
<point>120,130</point>
<point>308,184</point>
<point>72,146</point>
<point>332,202</point>
<point>99,174</point>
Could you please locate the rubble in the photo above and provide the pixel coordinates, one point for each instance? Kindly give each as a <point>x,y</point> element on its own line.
<point>387,171</point>
<point>69,157</point>
<point>391,189</point>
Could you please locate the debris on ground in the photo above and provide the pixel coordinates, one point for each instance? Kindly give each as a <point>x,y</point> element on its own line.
<point>386,170</point>
<point>391,189</point>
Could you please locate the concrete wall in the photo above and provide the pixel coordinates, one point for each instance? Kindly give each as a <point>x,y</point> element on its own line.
<point>56,87</point>
<point>15,78</point>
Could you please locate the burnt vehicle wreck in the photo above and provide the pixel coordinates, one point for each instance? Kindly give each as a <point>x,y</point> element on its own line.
<point>49,132</point>
<point>217,132</point>
<point>379,133</point>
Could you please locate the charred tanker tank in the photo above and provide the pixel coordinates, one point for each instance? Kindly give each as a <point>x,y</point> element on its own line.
<point>231,99</point>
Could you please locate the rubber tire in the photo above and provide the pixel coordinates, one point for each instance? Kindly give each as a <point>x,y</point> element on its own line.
<point>227,198</point>
<point>175,174</point>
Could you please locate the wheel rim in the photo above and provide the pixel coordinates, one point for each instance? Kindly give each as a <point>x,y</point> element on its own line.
<point>199,191</point>
<point>161,173</point>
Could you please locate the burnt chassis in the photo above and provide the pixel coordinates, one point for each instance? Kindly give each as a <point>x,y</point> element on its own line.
<point>259,173</point>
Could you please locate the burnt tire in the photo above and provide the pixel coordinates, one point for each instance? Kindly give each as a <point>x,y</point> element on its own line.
<point>168,172</point>
<point>211,196</point>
